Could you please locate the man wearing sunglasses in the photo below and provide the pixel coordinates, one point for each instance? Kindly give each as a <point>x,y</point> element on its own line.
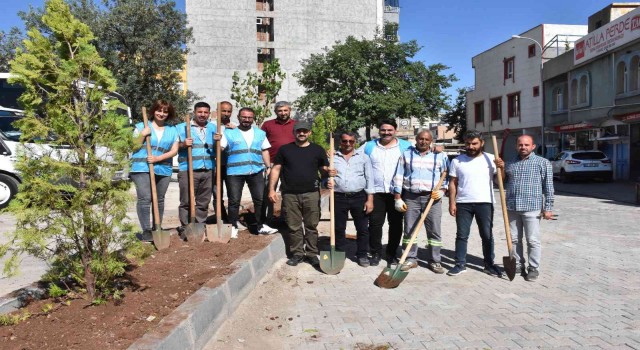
<point>353,192</point>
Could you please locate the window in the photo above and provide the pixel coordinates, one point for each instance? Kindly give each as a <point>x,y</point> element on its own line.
<point>532,50</point>
<point>583,90</point>
<point>579,89</point>
<point>621,78</point>
<point>496,108</point>
<point>574,92</point>
<point>509,68</point>
<point>265,55</point>
<point>479,112</point>
<point>513,105</point>
<point>556,103</point>
<point>264,5</point>
<point>536,91</point>
<point>634,75</point>
<point>264,29</point>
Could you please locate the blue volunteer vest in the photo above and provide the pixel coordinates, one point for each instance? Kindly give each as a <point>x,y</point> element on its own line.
<point>139,162</point>
<point>203,152</point>
<point>244,160</point>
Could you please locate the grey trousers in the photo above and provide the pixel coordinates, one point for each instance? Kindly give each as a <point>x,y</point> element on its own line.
<point>303,215</point>
<point>143,192</point>
<point>527,224</point>
<point>416,203</point>
<point>202,185</point>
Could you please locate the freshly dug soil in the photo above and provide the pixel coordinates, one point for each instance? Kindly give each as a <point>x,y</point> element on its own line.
<point>157,286</point>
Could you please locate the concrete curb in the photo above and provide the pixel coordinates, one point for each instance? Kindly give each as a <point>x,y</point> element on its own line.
<point>194,323</point>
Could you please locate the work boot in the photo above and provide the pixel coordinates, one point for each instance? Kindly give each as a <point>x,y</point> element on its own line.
<point>532,274</point>
<point>375,259</point>
<point>408,265</point>
<point>435,267</point>
<point>364,261</point>
<point>295,260</point>
<point>492,270</point>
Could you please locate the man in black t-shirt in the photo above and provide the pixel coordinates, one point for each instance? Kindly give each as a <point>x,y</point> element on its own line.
<point>298,163</point>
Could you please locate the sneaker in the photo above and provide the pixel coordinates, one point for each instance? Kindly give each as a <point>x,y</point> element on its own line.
<point>241,225</point>
<point>435,267</point>
<point>456,270</point>
<point>313,261</point>
<point>295,260</point>
<point>408,265</point>
<point>492,270</point>
<point>145,236</point>
<point>532,274</point>
<point>374,260</point>
<point>266,230</point>
<point>364,262</point>
<point>234,232</point>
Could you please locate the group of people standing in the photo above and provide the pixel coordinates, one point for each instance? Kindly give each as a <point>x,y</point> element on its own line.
<point>385,179</point>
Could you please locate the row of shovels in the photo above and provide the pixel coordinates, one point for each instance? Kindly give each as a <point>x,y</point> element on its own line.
<point>332,261</point>
<point>194,232</point>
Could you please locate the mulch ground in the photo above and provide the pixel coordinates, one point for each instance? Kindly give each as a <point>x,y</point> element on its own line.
<point>158,286</point>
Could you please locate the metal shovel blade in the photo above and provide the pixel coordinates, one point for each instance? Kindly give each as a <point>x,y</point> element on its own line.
<point>194,232</point>
<point>509,264</point>
<point>391,277</point>
<point>332,262</point>
<point>161,239</point>
<point>222,235</point>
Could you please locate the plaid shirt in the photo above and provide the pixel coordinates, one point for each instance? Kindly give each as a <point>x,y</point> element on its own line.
<point>527,181</point>
<point>419,173</point>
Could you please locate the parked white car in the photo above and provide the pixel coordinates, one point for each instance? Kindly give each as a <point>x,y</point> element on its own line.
<point>570,165</point>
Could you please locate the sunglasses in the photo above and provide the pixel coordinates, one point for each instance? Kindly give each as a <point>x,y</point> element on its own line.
<point>348,141</point>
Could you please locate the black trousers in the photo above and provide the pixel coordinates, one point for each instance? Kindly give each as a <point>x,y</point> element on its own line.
<point>354,203</point>
<point>384,206</point>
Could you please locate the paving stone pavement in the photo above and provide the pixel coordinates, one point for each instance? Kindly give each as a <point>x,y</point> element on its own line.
<point>587,295</point>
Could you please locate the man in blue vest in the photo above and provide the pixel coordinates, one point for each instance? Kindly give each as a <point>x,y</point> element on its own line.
<point>202,143</point>
<point>248,162</point>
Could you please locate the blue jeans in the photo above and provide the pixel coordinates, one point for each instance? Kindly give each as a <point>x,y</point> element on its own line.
<point>143,191</point>
<point>527,224</point>
<point>483,213</point>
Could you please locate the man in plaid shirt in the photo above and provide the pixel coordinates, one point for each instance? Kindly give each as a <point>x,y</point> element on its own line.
<point>529,181</point>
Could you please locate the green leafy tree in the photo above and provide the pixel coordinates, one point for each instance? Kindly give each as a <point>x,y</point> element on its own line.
<point>8,44</point>
<point>456,117</point>
<point>144,44</point>
<point>324,124</point>
<point>68,211</point>
<point>258,90</point>
<point>365,81</point>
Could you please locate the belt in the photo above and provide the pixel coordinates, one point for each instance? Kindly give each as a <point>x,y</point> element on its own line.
<point>200,170</point>
<point>348,194</point>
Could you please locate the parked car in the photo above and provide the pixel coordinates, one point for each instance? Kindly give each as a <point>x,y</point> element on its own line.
<point>570,165</point>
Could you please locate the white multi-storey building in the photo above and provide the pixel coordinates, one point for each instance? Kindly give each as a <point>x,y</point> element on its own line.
<point>234,35</point>
<point>507,100</point>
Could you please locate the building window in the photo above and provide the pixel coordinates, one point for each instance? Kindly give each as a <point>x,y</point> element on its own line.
<point>265,55</point>
<point>583,91</point>
<point>574,92</point>
<point>264,29</point>
<point>509,65</point>
<point>558,98</point>
<point>496,108</point>
<point>264,5</point>
<point>479,112</point>
<point>536,91</point>
<point>513,105</point>
<point>532,50</point>
<point>621,78</point>
<point>634,76</point>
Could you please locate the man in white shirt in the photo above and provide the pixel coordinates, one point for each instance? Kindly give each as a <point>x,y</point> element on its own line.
<point>248,161</point>
<point>471,194</point>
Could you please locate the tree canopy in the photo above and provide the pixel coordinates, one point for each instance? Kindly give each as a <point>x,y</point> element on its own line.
<point>143,42</point>
<point>365,81</point>
<point>258,90</point>
<point>456,117</point>
<point>9,41</point>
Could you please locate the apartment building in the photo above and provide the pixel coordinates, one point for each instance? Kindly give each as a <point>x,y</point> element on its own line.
<point>507,100</point>
<point>241,35</point>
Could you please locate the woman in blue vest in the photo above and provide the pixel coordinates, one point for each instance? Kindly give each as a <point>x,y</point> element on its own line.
<point>164,146</point>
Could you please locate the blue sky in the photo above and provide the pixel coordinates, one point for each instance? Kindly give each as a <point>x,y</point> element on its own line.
<point>451,32</point>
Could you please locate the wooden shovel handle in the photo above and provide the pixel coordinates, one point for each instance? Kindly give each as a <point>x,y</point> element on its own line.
<point>332,204</point>
<point>152,175</point>
<point>218,182</point>
<point>192,191</point>
<point>503,199</point>
<point>418,225</point>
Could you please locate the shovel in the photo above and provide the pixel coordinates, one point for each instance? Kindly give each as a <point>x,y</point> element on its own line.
<point>331,262</point>
<point>194,231</point>
<point>508,262</point>
<point>220,232</point>
<point>161,238</point>
<point>392,277</point>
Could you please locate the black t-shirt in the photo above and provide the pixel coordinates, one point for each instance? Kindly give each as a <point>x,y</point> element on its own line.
<point>300,165</point>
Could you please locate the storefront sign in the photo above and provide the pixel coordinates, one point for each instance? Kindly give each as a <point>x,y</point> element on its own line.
<point>618,32</point>
<point>631,117</point>
<point>573,127</point>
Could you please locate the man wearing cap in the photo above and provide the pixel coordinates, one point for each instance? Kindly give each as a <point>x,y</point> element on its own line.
<point>298,164</point>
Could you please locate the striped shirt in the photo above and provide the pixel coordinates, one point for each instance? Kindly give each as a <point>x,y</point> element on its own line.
<point>529,184</point>
<point>417,172</point>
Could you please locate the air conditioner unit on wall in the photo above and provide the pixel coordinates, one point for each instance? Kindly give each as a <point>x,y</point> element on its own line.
<point>258,20</point>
